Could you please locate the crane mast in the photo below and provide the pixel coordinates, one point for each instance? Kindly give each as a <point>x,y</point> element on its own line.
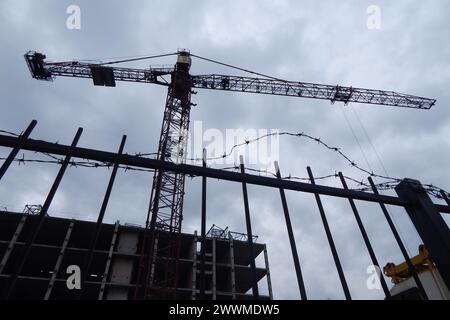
<point>158,269</point>
<point>166,200</point>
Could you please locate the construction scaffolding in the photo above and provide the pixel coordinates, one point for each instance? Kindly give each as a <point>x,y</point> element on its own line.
<point>219,233</point>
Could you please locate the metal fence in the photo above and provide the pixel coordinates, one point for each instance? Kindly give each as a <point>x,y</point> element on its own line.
<point>411,195</point>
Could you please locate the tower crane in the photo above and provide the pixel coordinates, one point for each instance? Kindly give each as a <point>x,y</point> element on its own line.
<point>166,201</point>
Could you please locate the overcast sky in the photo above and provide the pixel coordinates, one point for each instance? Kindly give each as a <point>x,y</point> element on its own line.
<point>325,42</point>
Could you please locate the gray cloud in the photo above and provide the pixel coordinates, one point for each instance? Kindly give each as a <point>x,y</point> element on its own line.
<point>324,42</point>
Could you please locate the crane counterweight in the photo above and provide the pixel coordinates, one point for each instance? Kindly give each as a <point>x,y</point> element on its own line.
<point>184,60</point>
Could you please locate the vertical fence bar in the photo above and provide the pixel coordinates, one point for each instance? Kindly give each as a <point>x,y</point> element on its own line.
<point>298,270</point>
<point>203,235</point>
<point>16,150</point>
<point>249,234</point>
<point>429,223</point>
<point>399,242</point>
<point>101,215</point>
<point>334,252</point>
<point>41,218</point>
<point>365,237</point>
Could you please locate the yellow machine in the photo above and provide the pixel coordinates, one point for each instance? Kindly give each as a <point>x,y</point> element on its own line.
<point>405,287</point>
<point>421,263</point>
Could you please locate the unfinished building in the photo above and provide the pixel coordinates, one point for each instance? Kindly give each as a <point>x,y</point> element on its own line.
<point>62,243</point>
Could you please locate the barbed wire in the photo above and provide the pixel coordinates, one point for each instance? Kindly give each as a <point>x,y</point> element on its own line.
<point>299,135</point>
<point>10,133</point>
<point>290,177</point>
<point>72,163</point>
<point>364,186</point>
<point>100,164</point>
<point>431,189</point>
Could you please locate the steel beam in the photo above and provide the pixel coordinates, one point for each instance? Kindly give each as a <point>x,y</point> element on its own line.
<point>400,243</point>
<point>12,243</point>
<point>59,261</point>
<point>269,280</point>
<point>214,269</point>
<point>366,238</point>
<point>233,270</point>
<point>140,162</point>
<point>249,234</point>
<point>430,225</point>
<point>108,261</point>
<point>298,270</point>
<point>194,268</point>
<point>203,233</point>
<point>15,151</point>
<point>153,259</point>
<point>334,252</point>
<point>98,226</point>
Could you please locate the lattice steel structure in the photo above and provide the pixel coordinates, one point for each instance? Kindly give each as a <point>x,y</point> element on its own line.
<point>272,86</point>
<point>167,194</point>
<point>219,233</point>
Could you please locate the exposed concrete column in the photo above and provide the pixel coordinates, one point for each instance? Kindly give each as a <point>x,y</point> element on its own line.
<point>233,274</point>
<point>153,263</point>
<point>59,261</point>
<point>12,243</point>
<point>108,263</point>
<point>214,297</point>
<point>269,281</point>
<point>194,267</point>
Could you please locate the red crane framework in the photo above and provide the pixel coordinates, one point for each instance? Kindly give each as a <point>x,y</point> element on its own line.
<point>165,213</point>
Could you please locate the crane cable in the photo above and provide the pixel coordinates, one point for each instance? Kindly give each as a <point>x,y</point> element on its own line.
<point>356,139</point>
<point>238,68</point>
<point>370,141</point>
<point>393,217</point>
<point>137,59</point>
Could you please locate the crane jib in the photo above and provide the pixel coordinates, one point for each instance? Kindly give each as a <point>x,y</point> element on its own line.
<point>107,76</point>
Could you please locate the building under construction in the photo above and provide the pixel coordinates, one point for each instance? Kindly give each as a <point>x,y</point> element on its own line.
<point>113,272</point>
